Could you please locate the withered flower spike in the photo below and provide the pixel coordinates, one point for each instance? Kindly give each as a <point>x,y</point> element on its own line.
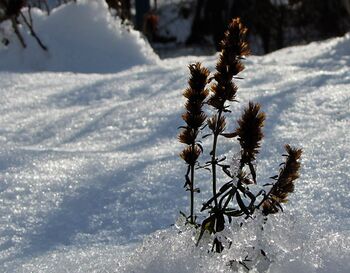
<point>250,131</point>
<point>194,120</point>
<point>224,89</point>
<point>187,136</point>
<point>235,38</point>
<point>194,117</point>
<point>195,95</point>
<point>285,182</point>
<point>233,49</point>
<point>199,77</point>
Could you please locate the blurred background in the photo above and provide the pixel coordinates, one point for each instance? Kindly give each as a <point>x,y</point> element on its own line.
<point>182,27</point>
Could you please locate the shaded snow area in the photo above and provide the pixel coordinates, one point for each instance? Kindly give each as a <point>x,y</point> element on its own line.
<point>91,180</point>
<point>81,37</point>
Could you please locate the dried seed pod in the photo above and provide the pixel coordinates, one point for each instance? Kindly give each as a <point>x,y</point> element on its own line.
<point>194,121</point>
<point>217,126</point>
<point>199,77</point>
<point>194,117</point>
<point>250,131</point>
<point>187,136</point>
<point>195,95</point>
<point>190,154</point>
<point>285,182</point>
<point>233,49</point>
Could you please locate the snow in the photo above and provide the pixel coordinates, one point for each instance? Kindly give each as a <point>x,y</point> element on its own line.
<point>173,23</point>
<point>97,42</point>
<point>91,181</point>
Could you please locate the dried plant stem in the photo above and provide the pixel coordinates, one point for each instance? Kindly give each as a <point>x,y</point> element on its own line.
<point>194,118</point>
<point>266,197</point>
<point>213,158</point>
<point>192,193</point>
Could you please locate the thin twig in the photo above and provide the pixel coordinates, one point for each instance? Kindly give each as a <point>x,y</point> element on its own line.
<point>32,32</point>
<point>213,158</point>
<point>18,34</point>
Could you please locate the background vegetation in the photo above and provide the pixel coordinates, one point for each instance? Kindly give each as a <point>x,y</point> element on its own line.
<point>200,24</point>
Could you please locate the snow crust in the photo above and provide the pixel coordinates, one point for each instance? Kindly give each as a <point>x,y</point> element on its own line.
<point>90,179</point>
<point>81,37</point>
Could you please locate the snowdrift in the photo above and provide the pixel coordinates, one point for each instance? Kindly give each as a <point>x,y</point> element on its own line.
<point>81,37</point>
<point>90,179</point>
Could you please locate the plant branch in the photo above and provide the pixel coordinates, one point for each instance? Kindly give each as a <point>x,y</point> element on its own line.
<point>213,157</point>
<point>192,190</point>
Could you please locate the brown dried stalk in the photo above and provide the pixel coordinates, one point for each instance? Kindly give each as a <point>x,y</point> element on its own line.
<point>250,135</point>
<point>233,49</point>
<point>234,198</point>
<point>194,118</point>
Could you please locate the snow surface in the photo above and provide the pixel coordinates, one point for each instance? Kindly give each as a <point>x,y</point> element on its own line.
<point>90,179</point>
<point>81,37</point>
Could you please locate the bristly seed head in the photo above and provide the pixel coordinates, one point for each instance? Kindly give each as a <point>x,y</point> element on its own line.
<point>194,116</point>
<point>199,77</point>
<point>190,154</point>
<point>285,182</point>
<point>187,136</point>
<point>194,120</point>
<point>250,131</point>
<point>234,42</point>
<point>233,49</point>
<point>195,95</point>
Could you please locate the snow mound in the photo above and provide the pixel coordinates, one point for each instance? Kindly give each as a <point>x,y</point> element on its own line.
<point>81,37</point>
<point>330,54</point>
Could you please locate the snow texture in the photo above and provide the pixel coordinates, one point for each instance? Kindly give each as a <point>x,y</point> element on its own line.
<point>90,178</point>
<point>81,37</point>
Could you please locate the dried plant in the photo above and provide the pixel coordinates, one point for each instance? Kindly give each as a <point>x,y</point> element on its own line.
<point>233,50</point>
<point>234,197</point>
<point>194,117</point>
<point>250,135</point>
<point>284,182</point>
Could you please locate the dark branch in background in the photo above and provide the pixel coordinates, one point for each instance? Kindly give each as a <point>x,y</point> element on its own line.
<point>32,32</point>
<point>11,11</point>
<point>39,4</point>
<point>275,23</point>
<point>14,23</point>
